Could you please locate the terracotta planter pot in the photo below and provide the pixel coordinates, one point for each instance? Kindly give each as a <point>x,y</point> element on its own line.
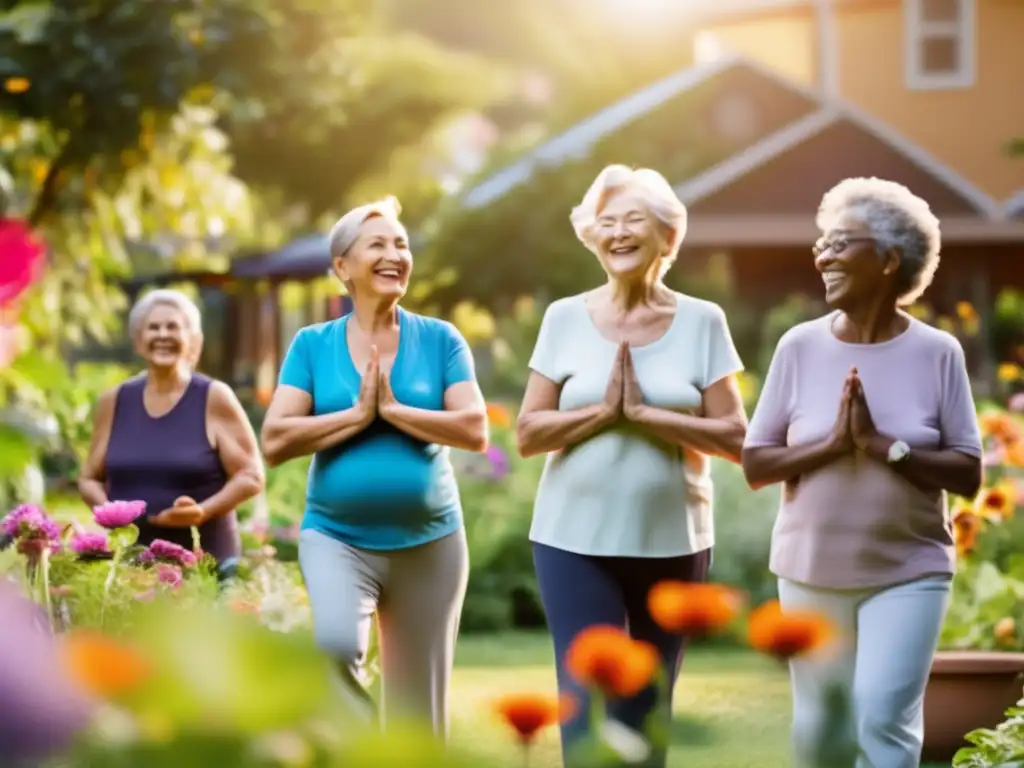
<point>967,690</point>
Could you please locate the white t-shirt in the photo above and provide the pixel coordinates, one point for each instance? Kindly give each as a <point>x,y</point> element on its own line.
<point>621,492</point>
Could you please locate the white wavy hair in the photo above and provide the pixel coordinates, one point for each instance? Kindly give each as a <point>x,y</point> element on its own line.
<point>166,297</point>
<point>898,220</point>
<point>650,187</point>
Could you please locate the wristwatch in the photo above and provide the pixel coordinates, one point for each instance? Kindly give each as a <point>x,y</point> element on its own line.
<point>898,452</point>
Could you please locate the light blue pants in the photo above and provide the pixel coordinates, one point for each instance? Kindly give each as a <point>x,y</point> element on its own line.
<point>417,595</point>
<point>883,657</point>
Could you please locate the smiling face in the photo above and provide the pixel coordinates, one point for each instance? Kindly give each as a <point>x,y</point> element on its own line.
<point>630,242</point>
<point>164,340</point>
<point>379,262</point>
<point>851,268</point>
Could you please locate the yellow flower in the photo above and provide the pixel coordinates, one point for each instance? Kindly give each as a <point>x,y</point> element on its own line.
<point>997,502</point>
<point>946,324</point>
<point>1008,372</point>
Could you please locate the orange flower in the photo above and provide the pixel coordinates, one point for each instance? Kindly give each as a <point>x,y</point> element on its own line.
<point>966,527</point>
<point>499,416</point>
<point>606,658</point>
<point>785,634</point>
<point>102,666</point>
<point>1005,631</point>
<point>17,84</point>
<point>1013,453</point>
<point>530,713</point>
<point>965,311</point>
<point>999,425</point>
<point>1008,372</point>
<point>244,606</point>
<point>693,609</point>
<point>996,502</point>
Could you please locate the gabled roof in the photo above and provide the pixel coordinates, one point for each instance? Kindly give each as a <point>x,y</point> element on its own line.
<point>576,142</point>
<point>580,139</point>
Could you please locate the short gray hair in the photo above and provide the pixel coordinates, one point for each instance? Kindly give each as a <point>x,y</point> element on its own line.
<point>650,186</point>
<point>898,219</point>
<point>168,298</point>
<point>346,230</point>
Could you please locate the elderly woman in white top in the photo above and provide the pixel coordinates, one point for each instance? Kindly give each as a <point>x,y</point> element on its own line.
<point>632,389</point>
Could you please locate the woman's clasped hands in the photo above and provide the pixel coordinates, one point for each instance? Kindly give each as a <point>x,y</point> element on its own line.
<point>854,427</point>
<point>622,397</point>
<point>375,395</point>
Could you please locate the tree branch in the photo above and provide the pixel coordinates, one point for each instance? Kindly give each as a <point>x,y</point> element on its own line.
<point>46,200</point>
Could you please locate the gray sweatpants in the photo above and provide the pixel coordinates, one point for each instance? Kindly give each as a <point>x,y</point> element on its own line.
<point>883,657</point>
<point>417,594</point>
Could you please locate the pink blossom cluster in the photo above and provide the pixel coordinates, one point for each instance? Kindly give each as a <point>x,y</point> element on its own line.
<point>31,527</point>
<point>161,551</point>
<point>118,514</point>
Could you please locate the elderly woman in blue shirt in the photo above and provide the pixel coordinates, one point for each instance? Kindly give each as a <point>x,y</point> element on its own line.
<point>377,397</point>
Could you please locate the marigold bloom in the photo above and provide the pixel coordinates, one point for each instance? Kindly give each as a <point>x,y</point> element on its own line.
<point>118,514</point>
<point>530,713</point>
<point>102,666</point>
<point>785,634</point>
<point>693,609</point>
<point>966,527</point>
<point>606,658</point>
<point>999,425</point>
<point>1005,631</point>
<point>996,502</point>
<point>499,416</point>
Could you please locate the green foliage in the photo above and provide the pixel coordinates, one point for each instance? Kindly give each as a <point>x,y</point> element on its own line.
<point>313,94</point>
<point>985,599</point>
<point>999,747</point>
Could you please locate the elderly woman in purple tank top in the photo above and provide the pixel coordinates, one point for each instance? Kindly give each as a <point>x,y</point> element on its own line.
<point>867,418</point>
<point>174,438</point>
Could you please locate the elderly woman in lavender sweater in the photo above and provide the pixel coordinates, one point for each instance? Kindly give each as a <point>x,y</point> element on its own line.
<point>867,418</point>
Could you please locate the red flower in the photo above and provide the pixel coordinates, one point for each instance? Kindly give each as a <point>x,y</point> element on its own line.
<point>21,259</point>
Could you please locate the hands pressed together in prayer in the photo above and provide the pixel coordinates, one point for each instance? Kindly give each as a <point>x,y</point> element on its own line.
<point>375,395</point>
<point>623,396</point>
<point>854,428</point>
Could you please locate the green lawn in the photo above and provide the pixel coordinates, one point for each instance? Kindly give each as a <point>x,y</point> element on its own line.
<point>732,706</point>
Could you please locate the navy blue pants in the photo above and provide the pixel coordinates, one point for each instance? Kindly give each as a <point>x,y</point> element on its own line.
<point>579,591</point>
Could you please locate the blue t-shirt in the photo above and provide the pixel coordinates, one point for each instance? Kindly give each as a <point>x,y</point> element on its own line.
<point>382,489</point>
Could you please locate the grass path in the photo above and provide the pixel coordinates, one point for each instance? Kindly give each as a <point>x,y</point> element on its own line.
<point>732,707</point>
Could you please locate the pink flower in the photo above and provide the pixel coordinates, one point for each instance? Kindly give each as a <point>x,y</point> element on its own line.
<point>169,575</point>
<point>88,543</point>
<point>21,259</point>
<point>161,551</point>
<point>32,528</point>
<point>1016,403</point>
<point>118,514</point>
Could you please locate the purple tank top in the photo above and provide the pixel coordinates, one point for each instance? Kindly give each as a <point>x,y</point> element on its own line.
<point>156,460</point>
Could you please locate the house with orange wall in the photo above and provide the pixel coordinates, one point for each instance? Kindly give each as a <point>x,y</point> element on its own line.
<point>929,93</point>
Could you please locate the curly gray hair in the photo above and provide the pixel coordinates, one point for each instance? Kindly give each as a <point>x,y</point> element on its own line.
<point>898,219</point>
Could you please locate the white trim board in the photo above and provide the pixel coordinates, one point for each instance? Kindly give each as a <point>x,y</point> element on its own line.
<point>1015,205</point>
<point>734,168</point>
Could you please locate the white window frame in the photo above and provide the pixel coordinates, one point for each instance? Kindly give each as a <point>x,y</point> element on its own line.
<point>916,30</point>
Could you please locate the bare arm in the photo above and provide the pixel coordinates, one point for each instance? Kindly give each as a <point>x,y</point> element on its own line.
<point>289,431</point>
<point>719,432</point>
<point>235,443</point>
<point>542,428</point>
<point>786,463</point>
<point>941,470</point>
<point>92,480</point>
<point>462,423</point>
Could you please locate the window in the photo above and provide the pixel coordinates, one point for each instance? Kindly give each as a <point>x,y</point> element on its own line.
<point>939,39</point>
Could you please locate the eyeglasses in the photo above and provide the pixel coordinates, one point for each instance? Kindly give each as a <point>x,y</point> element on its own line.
<point>837,246</point>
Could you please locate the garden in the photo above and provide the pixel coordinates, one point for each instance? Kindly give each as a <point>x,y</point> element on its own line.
<point>139,139</point>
